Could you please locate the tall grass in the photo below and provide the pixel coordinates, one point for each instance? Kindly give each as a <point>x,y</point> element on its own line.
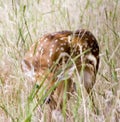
<point>24,22</point>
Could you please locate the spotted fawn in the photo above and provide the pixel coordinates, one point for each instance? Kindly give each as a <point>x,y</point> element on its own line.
<point>49,56</point>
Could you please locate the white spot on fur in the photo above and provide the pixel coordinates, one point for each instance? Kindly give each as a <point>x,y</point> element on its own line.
<point>57,49</point>
<point>41,52</point>
<point>40,48</point>
<point>63,44</point>
<point>69,39</point>
<point>53,45</point>
<point>48,61</point>
<point>50,53</point>
<point>56,41</point>
<point>45,40</point>
<point>81,52</point>
<point>62,38</point>
<point>62,49</point>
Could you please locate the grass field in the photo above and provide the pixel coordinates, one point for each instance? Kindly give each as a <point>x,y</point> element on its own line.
<point>22,22</point>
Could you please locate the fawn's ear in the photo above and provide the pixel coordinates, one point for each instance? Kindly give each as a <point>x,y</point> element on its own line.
<point>28,69</point>
<point>25,65</point>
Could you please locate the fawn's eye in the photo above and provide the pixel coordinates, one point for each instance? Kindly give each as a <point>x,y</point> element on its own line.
<point>92,59</point>
<point>89,62</point>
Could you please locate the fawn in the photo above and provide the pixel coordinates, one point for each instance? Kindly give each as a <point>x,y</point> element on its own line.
<point>48,58</point>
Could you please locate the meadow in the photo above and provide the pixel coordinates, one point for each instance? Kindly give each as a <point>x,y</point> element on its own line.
<point>23,22</point>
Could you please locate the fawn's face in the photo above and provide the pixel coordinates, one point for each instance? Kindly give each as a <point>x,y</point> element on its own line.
<point>85,45</point>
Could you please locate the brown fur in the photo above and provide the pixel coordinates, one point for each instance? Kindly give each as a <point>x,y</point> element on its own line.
<point>48,49</point>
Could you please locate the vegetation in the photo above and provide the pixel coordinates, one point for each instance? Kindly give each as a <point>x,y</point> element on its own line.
<point>22,22</point>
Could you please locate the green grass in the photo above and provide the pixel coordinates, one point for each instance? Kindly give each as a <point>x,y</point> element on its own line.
<point>23,22</point>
